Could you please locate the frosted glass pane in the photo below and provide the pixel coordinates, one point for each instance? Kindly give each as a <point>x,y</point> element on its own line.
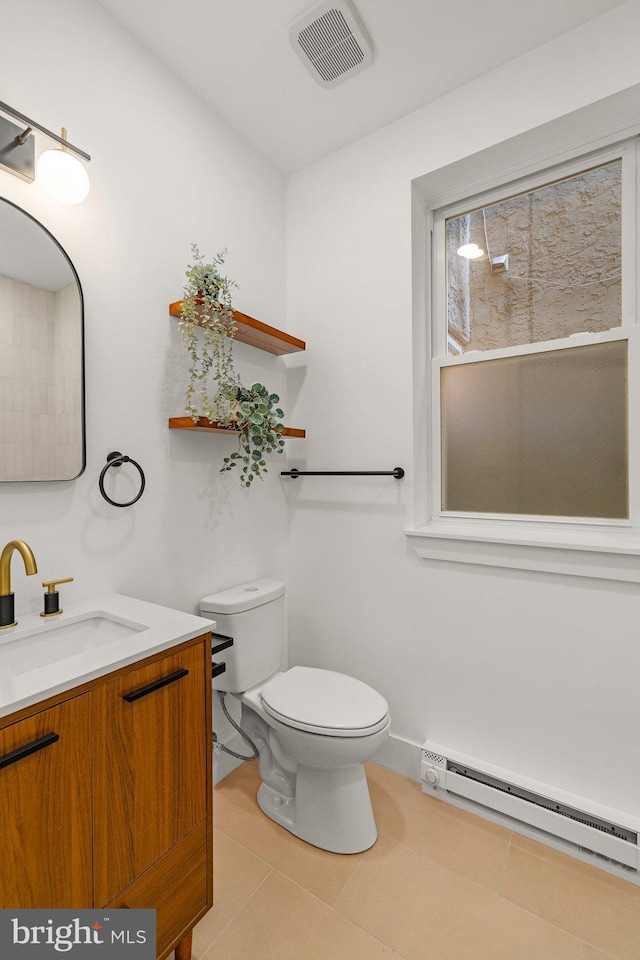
<point>542,434</point>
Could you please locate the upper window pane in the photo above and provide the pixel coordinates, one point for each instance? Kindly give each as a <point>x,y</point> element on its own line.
<point>549,264</point>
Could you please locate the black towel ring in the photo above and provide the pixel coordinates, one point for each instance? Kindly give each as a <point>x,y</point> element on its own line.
<point>116,459</point>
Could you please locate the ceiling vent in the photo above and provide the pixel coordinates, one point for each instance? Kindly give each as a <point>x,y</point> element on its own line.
<point>331,41</point>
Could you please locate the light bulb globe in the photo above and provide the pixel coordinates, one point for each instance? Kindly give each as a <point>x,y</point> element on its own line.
<point>471,251</point>
<point>63,176</point>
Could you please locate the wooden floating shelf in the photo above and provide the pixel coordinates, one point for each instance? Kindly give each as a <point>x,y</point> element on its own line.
<point>204,426</point>
<point>256,333</point>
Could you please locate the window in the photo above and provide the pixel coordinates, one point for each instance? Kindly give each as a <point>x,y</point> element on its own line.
<point>534,362</point>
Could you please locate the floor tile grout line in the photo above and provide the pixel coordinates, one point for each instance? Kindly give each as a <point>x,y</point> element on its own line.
<point>498,893</point>
<point>556,926</point>
<point>237,913</point>
<point>333,906</point>
<point>286,875</point>
<point>247,849</point>
<point>443,866</point>
<point>538,916</point>
<point>492,893</point>
<point>343,916</point>
<point>504,866</point>
<point>348,880</point>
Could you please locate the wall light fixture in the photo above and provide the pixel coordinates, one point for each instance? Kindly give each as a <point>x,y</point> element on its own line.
<point>59,170</point>
<point>471,251</point>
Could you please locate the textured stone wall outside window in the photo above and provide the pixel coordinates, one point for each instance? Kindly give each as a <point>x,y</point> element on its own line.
<point>563,241</point>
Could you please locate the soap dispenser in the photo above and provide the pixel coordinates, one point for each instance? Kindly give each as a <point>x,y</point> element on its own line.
<point>52,597</point>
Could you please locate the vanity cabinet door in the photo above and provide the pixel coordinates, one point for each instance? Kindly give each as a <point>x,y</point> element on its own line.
<point>45,808</point>
<point>150,747</point>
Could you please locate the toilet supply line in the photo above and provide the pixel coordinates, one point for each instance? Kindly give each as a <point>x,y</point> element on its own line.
<point>248,740</point>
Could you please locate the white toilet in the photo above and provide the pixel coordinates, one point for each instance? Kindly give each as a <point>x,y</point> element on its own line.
<point>314,729</point>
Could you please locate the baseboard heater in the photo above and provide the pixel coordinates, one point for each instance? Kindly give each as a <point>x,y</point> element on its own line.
<point>590,828</point>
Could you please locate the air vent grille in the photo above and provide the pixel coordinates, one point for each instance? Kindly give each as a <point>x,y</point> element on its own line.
<point>433,757</point>
<point>331,46</point>
<point>331,41</point>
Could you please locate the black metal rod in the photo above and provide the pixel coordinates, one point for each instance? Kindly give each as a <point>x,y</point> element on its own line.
<point>397,472</point>
<point>156,685</point>
<point>5,108</point>
<point>8,758</point>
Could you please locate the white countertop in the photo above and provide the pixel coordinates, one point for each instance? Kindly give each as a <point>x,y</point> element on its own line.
<point>41,657</point>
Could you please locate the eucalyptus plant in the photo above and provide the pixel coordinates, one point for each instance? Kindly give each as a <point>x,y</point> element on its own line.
<point>215,391</point>
<point>206,305</point>
<point>260,432</point>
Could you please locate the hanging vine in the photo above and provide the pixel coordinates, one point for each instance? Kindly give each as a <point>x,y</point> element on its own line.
<point>215,390</point>
<point>206,307</point>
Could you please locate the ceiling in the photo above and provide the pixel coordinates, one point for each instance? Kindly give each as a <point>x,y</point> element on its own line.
<point>235,55</point>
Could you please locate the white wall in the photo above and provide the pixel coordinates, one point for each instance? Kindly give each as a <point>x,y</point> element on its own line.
<point>530,671</point>
<point>533,672</point>
<point>165,172</point>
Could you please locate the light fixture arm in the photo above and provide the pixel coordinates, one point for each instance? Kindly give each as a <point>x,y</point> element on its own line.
<point>32,125</point>
<point>24,136</point>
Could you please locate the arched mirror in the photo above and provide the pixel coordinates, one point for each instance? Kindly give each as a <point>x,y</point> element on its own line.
<point>42,434</point>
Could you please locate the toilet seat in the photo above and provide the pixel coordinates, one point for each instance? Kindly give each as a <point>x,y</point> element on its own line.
<point>324,702</point>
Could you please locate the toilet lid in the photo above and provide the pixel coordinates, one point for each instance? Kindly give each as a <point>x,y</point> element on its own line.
<point>322,701</point>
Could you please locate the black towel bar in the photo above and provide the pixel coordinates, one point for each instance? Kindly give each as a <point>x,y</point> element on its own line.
<point>397,472</point>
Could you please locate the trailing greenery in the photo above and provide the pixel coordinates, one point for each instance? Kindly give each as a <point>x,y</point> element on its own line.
<point>214,389</point>
<point>260,432</point>
<point>206,304</point>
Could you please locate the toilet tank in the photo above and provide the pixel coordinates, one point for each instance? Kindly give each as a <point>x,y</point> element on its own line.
<point>253,615</point>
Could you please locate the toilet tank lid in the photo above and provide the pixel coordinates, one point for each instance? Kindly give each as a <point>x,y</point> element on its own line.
<point>245,596</point>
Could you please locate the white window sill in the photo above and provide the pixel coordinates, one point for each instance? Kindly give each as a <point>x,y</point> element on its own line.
<point>611,553</point>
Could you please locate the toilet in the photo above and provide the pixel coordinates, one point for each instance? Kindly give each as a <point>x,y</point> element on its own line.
<point>314,729</point>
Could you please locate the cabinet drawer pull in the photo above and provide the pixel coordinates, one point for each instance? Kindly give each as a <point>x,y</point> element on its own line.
<point>156,685</point>
<point>28,749</point>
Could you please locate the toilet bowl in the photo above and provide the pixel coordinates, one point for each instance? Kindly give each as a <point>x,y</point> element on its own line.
<point>314,729</point>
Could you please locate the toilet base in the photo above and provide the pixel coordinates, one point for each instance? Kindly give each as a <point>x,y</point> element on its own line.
<point>331,808</point>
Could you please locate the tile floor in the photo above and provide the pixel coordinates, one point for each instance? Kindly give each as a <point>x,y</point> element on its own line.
<point>439,884</point>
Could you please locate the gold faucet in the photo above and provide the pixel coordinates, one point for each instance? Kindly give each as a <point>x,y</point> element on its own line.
<point>7,612</point>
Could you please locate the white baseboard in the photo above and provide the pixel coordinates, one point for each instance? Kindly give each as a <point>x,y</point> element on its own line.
<point>401,756</point>
<point>398,755</point>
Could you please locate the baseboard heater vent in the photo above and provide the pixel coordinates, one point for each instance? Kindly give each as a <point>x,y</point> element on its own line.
<point>590,828</point>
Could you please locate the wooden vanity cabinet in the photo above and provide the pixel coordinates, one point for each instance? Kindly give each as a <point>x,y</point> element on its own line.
<point>45,808</point>
<point>117,810</point>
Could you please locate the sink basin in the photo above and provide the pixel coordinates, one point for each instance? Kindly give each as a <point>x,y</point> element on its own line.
<point>24,657</point>
<point>40,658</point>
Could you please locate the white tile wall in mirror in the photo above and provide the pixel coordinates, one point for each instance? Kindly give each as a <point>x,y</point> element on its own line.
<point>41,354</point>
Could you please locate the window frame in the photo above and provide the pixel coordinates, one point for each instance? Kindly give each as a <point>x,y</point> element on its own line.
<point>532,542</point>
